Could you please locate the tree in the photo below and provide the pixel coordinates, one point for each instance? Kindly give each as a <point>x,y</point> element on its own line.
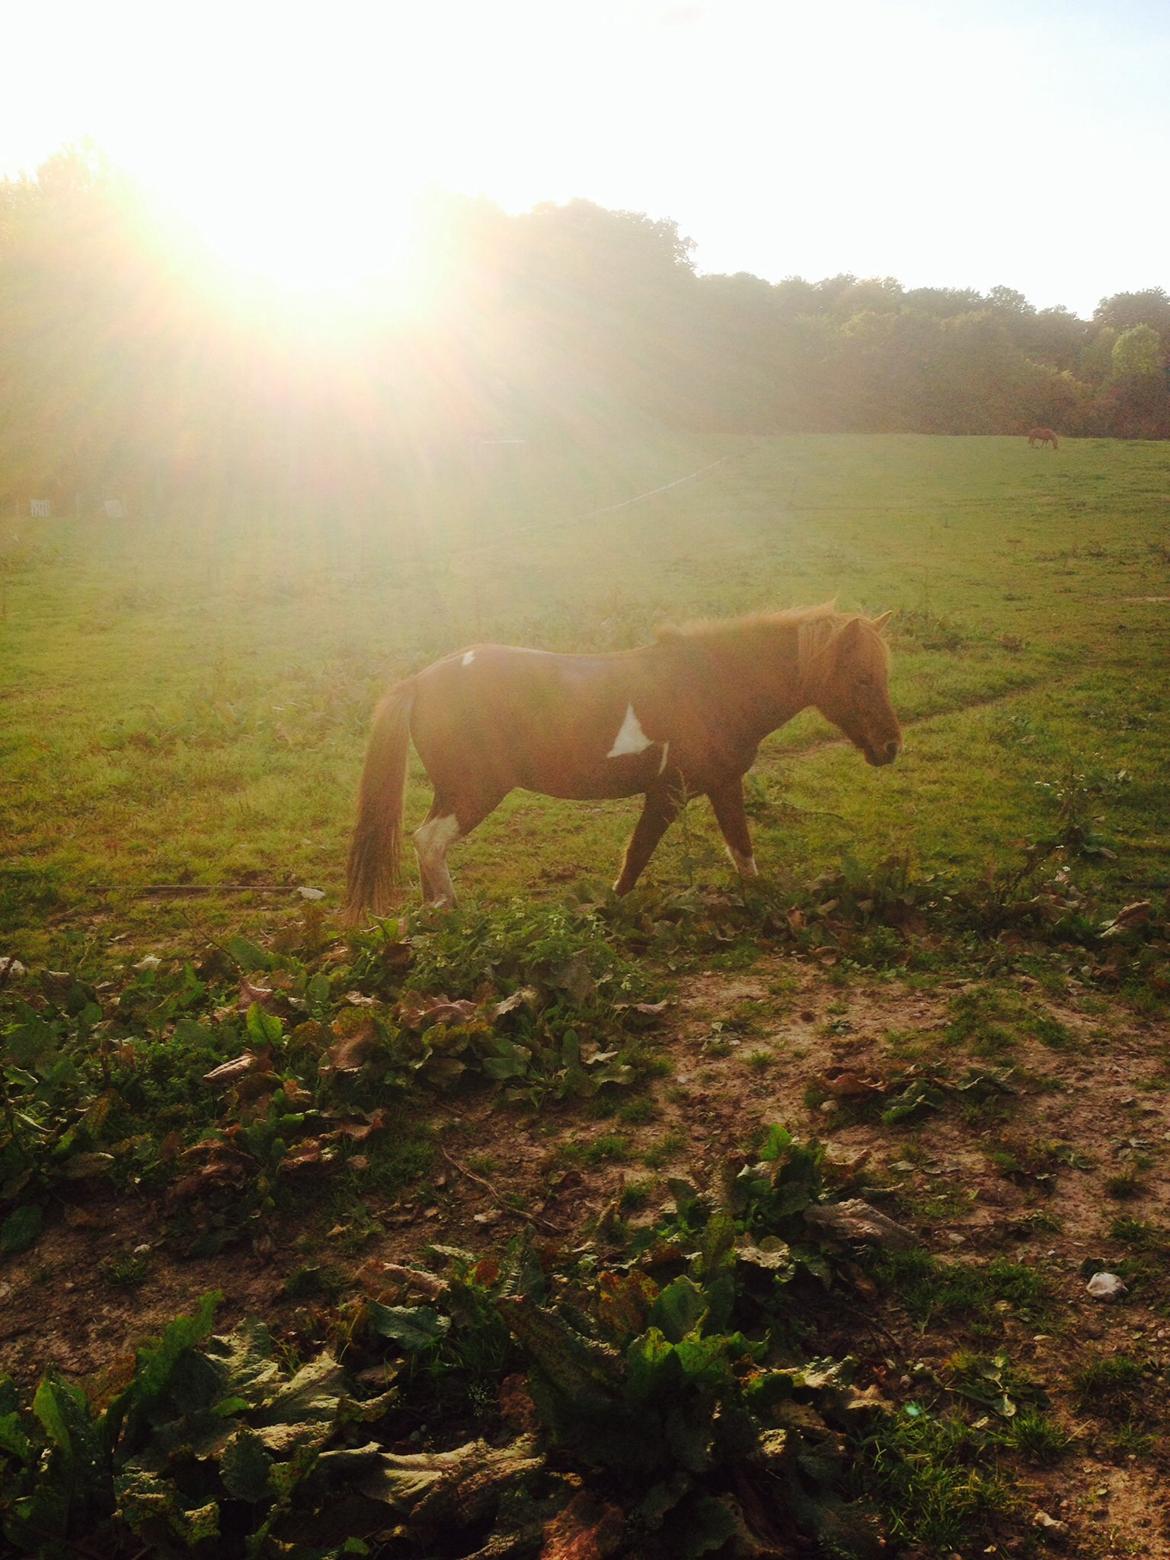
<point>1137,353</point>
<point>1009,301</point>
<point>1137,402</point>
<point>1124,310</point>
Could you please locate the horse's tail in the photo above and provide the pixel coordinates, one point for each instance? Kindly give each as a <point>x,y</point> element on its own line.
<point>376,847</point>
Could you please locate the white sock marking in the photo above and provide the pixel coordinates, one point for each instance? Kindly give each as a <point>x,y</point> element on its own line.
<point>630,738</point>
<point>744,865</point>
<point>665,751</point>
<point>431,841</point>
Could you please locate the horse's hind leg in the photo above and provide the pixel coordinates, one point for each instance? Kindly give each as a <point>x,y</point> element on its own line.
<point>439,830</point>
<point>443,825</point>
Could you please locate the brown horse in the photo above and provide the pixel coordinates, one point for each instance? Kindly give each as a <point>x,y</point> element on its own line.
<point>678,718</point>
<point>1042,436</point>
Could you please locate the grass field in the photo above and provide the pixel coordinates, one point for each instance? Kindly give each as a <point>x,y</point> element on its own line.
<point>187,702</point>
<point>715,1221</point>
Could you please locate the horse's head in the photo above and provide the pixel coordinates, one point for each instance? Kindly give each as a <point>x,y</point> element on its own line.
<point>851,688</point>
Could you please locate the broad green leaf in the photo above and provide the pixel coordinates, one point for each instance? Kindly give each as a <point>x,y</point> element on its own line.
<point>441,1070</point>
<point>618,1073</point>
<point>507,1061</point>
<point>319,990</point>
<point>303,1438</point>
<point>345,1459</point>
<point>244,1467</point>
<point>412,1326</point>
<point>20,1229</point>
<point>31,1044</point>
<point>247,955</point>
<point>251,1375</point>
<point>772,1254</point>
<point>70,1425</point>
<point>312,1395</point>
<point>661,1498</point>
<point>12,1437</point>
<point>584,1374</point>
<point>679,1309</point>
<point>156,1365</point>
<point>570,1049</point>
<point>653,1368</point>
<point>718,1240</point>
<point>687,1432</point>
<point>144,1500</point>
<point>704,1360</point>
<point>58,1406</point>
<point>704,1525</point>
<point>458,1485</point>
<point>778,1139</point>
<point>264,1029</point>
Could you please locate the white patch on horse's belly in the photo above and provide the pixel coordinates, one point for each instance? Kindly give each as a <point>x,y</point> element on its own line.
<point>630,738</point>
<point>468,657</point>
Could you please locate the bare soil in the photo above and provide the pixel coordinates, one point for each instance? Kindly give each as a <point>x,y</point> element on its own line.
<point>1038,1173</point>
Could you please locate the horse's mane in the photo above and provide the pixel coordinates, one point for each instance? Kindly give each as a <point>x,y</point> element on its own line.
<point>814,628</point>
<point>753,622</point>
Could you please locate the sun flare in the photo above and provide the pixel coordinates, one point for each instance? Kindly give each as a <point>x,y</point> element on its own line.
<point>271,234</point>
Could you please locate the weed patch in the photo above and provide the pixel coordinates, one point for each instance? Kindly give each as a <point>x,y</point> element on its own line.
<point>977,1294</point>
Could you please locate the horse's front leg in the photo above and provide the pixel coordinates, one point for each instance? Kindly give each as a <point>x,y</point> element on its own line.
<point>727,802</point>
<point>658,813</point>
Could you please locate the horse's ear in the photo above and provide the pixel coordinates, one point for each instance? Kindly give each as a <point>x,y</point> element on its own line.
<point>880,622</point>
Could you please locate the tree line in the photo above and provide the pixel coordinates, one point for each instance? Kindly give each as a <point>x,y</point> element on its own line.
<point>124,370</point>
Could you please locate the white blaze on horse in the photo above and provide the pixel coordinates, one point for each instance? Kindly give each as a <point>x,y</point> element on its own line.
<point>678,718</point>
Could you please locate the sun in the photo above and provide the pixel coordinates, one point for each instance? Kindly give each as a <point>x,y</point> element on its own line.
<point>273,232</point>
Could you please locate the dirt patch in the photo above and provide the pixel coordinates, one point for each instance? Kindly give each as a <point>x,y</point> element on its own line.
<point>1059,1163</point>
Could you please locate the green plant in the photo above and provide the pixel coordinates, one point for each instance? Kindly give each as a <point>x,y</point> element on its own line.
<point>969,1292</point>
<point>1110,1384</point>
<point>925,1471</point>
<point>1124,1186</point>
<point>668,1147</point>
<point>127,1271</point>
<point>1038,1438</point>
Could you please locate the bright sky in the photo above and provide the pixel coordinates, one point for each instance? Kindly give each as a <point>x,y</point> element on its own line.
<point>944,142</point>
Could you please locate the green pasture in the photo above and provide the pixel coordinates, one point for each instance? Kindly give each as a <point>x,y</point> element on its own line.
<point>184,698</point>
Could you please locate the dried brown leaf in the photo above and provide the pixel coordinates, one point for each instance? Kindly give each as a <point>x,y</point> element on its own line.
<point>421,1013</point>
<point>352,1049</point>
<point>844,1084</point>
<point>230,1073</point>
<point>587,1529</point>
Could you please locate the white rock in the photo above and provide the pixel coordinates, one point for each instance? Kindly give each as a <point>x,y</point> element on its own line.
<point>1049,1524</point>
<point>11,968</point>
<point>1105,1286</point>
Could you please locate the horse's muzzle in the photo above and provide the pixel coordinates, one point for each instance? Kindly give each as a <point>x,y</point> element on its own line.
<point>883,753</point>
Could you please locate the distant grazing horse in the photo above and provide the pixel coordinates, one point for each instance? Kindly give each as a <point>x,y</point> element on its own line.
<point>678,718</point>
<point>1042,436</point>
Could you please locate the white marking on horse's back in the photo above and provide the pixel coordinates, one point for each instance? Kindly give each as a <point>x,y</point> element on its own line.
<point>630,738</point>
<point>468,657</point>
